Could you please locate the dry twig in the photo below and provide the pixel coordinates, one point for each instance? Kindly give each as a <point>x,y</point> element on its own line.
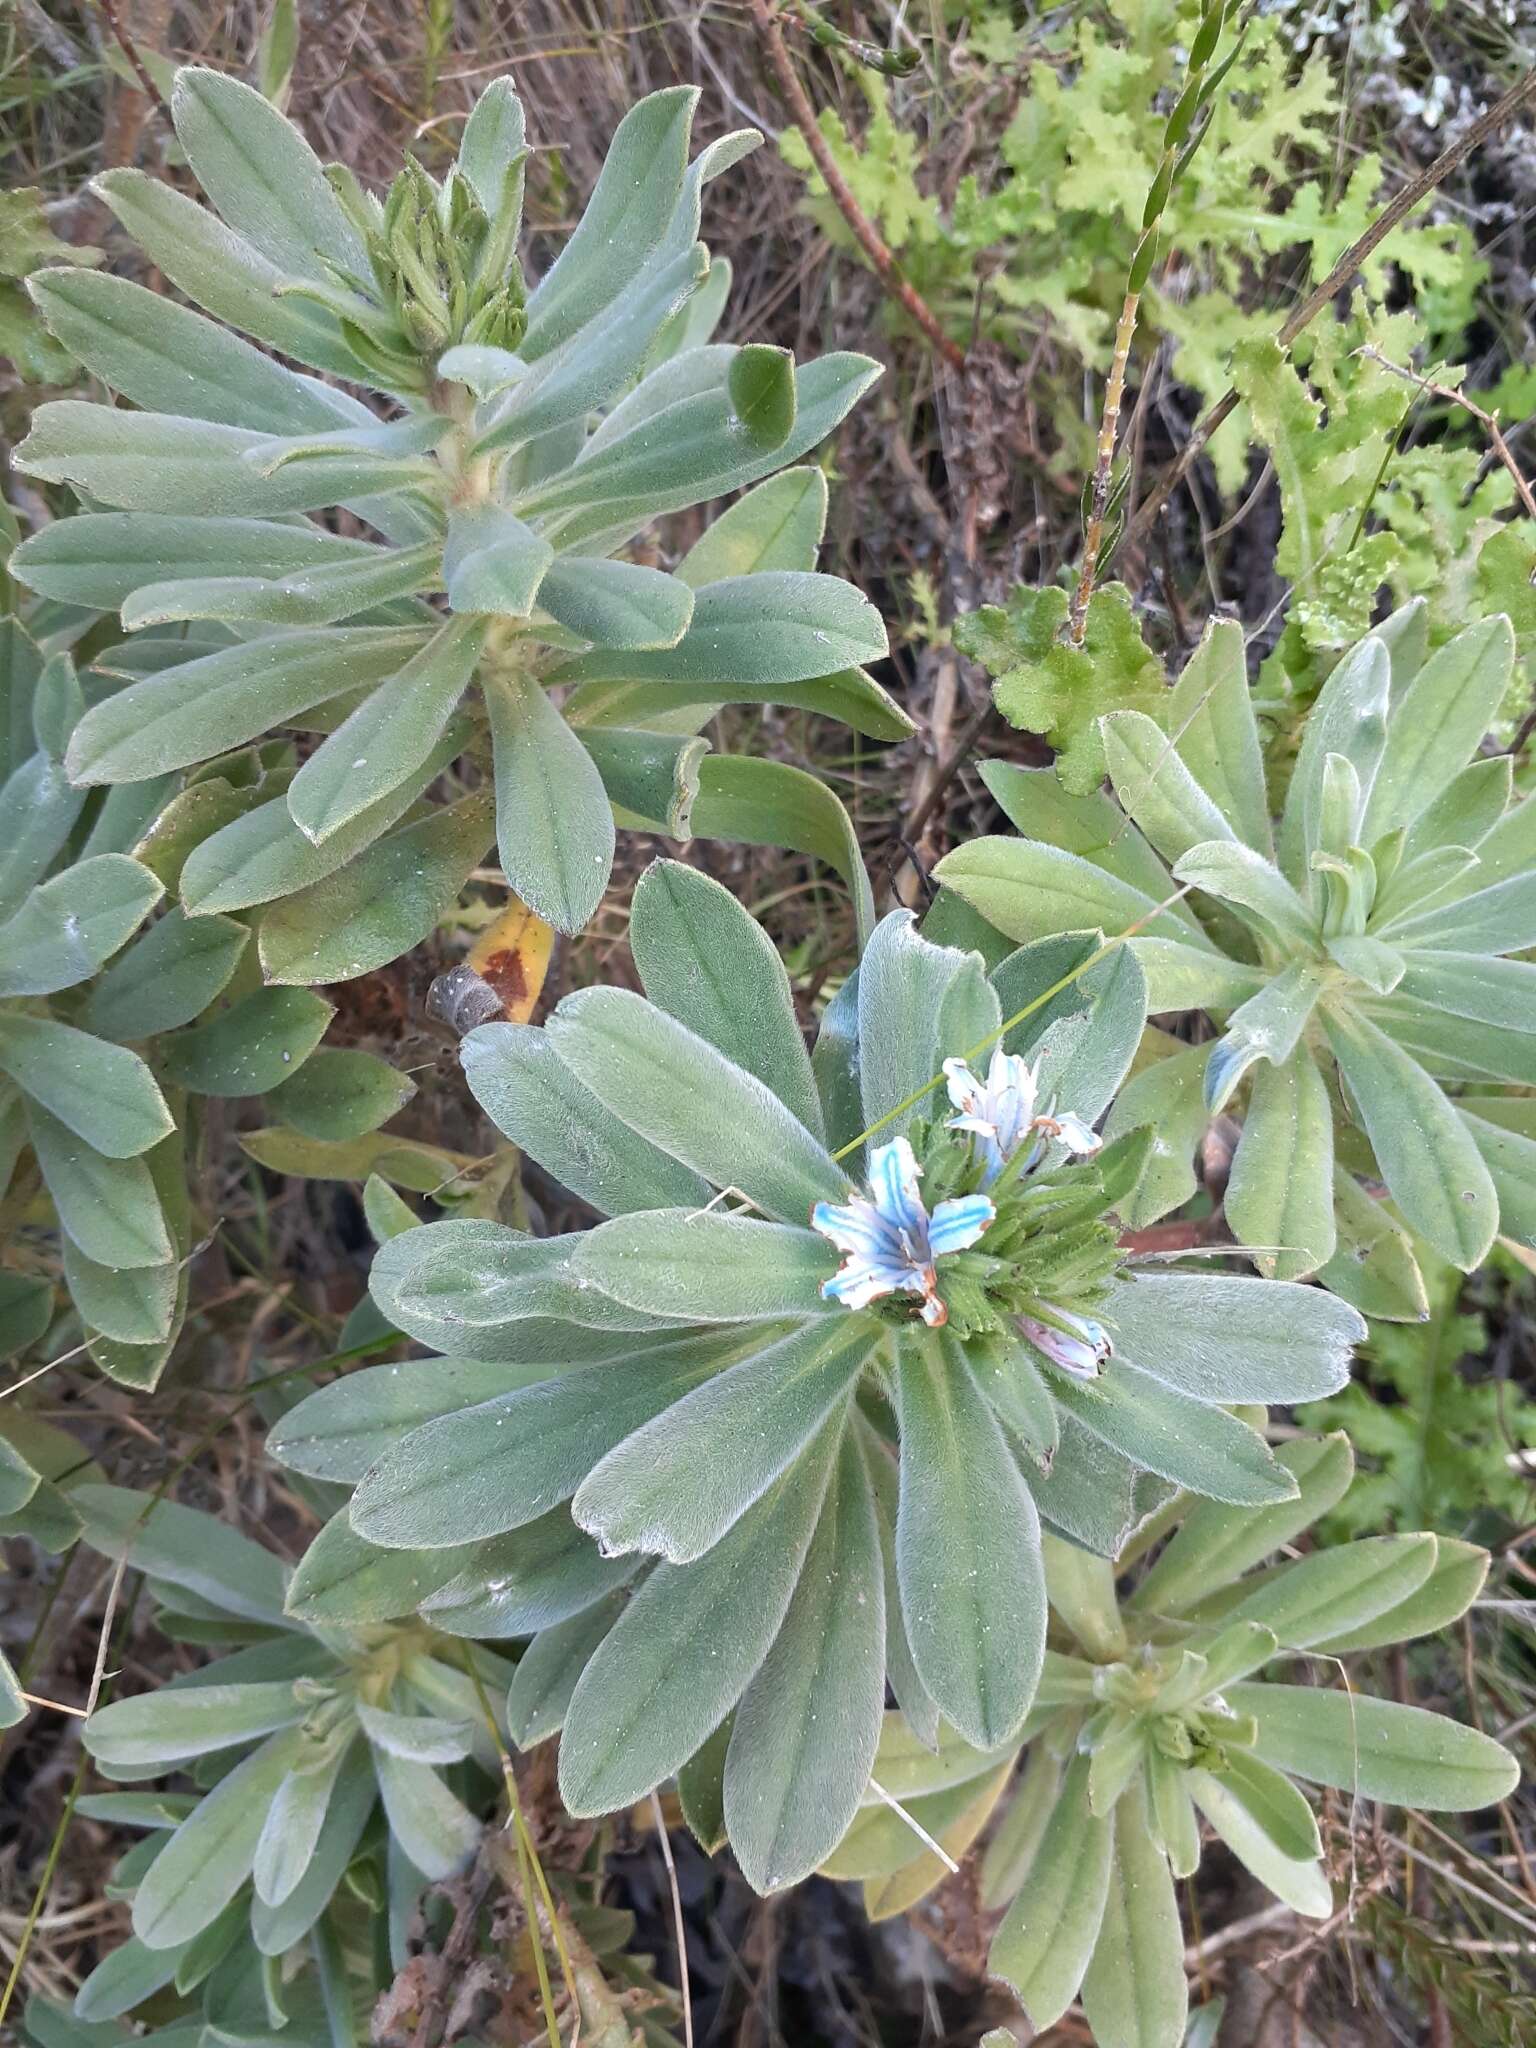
<point>130,50</point>
<point>1391,216</point>
<point>1489,419</point>
<point>865,232</point>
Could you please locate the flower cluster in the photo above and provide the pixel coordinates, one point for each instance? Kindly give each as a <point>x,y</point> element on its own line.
<point>893,1242</point>
<point>1004,1111</point>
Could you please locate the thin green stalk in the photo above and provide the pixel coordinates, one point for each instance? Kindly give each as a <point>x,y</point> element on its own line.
<point>45,1885</point>
<point>56,1846</point>
<point>992,1038</point>
<point>530,1869</point>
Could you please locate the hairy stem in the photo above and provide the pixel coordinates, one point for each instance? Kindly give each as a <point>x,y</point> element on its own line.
<point>1181,138</point>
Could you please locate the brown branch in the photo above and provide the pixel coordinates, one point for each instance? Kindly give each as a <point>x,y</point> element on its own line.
<point>947,769</point>
<point>1392,216</point>
<point>1454,397</point>
<point>867,235</point>
<point>130,50</point>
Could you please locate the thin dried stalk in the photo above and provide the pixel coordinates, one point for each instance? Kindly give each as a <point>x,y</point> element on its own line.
<point>865,232</point>
<point>1391,216</point>
<point>1454,397</point>
<point>1181,138</point>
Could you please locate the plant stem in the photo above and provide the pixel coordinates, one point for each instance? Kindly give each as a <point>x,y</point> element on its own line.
<point>1180,140</point>
<point>1103,468</point>
<point>1459,398</point>
<point>130,50</point>
<point>865,232</point>
<point>1082,1591</point>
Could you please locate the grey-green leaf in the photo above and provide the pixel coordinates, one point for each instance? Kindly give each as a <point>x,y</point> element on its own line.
<point>480,1471</point>
<point>762,387</point>
<point>167,977</point>
<point>379,904</point>
<point>262,176</point>
<point>1134,1993</point>
<point>681,1654</point>
<point>163,1727</point>
<point>675,1486</point>
<point>493,562</point>
<point>967,1551</point>
<point>1184,1440</point>
<point>184,1548</point>
<point>1376,1748</point>
<point>340,1092</point>
<point>104,1093</point>
<point>226,699</point>
<point>675,1089</point>
<point>707,1266</point>
<point>1045,1942</point>
<point>807,1727</point>
<point>66,928</point>
<point>616,604</point>
<point>1280,1190</point>
<point>338,1432</point>
<point>1226,1339</point>
<point>705,961</point>
<point>252,1046</point>
<point>210,1855</point>
<point>554,824</point>
<point>388,737</point>
<point>535,1100</point>
<point>1427,1156</point>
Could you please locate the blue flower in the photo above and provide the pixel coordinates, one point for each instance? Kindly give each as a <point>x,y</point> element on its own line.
<point>891,1241</point>
<point>1002,1113</point>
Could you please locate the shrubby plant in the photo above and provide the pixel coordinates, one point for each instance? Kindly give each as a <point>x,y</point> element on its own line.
<point>113,1027</point>
<point>196,827</point>
<point>1156,1717</point>
<point>1355,951</point>
<point>859,1384</point>
<point>328,1760</point>
<point>774,1446</point>
<point>516,441</point>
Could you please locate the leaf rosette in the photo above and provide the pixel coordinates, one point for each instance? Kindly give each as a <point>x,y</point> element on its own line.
<point>311,1747</point>
<point>724,1438</point>
<point>1355,953</point>
<point>1187,1696</point>
<point>511,447</point>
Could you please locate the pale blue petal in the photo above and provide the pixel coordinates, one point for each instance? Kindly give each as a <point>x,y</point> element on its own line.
<point>1076,1135</point>
<point>858,1284</point>
<point>862,1281</point>
<point>982,1126</point>
<point>854,1227</point>
<point>1010,1073</point>
<point>959,1223</point>
<point>893,1178</point>
<point>1081,1349</point>
<point>964,1088</point>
